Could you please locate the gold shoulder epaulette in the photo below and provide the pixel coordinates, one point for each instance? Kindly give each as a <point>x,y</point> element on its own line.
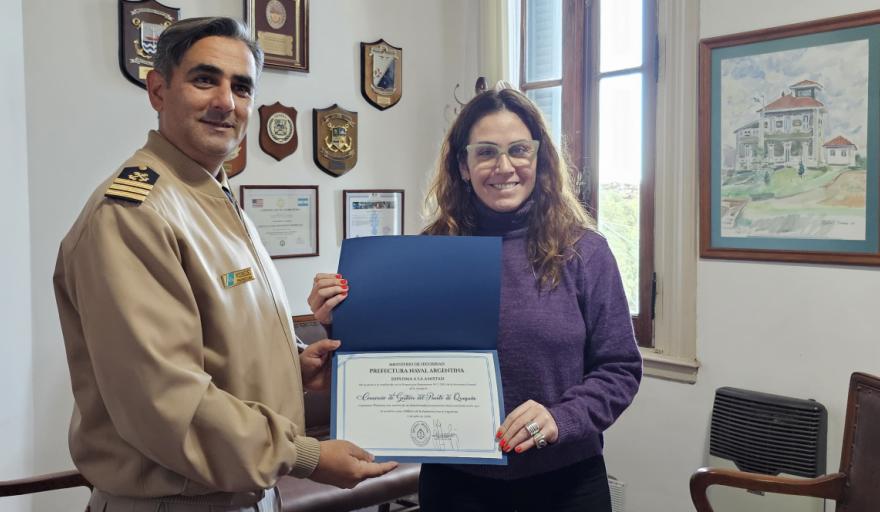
<point>133,184</point>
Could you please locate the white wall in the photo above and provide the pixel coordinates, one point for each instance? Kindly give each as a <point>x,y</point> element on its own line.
<point>17,412</point>
<point>84,118</point>
<point>796,330</point>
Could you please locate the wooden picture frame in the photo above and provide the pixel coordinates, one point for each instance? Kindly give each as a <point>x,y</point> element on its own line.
<point>286,217</point>
<point>372,212</point>
<point>281,27</point>
<point>793,175</point>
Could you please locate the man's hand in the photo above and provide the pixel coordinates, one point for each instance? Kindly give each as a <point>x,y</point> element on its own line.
<point>345,465</point>
<point>315,364</point>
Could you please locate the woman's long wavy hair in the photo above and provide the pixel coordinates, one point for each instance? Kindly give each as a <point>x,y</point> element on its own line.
<point>557,219</point>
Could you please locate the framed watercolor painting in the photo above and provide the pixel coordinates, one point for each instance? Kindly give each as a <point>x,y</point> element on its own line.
<point>789,143</point>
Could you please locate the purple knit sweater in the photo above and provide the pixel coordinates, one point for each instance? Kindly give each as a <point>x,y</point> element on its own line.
<point>571,349</point>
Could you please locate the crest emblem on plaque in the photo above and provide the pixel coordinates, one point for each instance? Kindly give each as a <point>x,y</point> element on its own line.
<point>140,25</point>
<point>381,73</point>
<point>278,135</point>
<point>335,139</point>
<point>237,160</point>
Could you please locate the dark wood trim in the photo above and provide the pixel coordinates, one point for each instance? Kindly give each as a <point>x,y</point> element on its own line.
<point>303,319</point>
<point>643,322</point>
<point>41,483</point>
<point>522,44</point>
<point>574,19</point>
<point>826,486</point>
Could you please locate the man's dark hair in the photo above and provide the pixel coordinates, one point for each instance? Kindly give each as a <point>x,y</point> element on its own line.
<point>181,36</point>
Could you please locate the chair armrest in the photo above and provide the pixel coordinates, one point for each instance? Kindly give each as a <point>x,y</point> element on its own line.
<point>40,483</point>
<point>826,486</point>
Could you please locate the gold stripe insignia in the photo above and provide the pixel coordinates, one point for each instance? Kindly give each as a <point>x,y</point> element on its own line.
<point>236,277</point>
<point>133,184</point>
<point>126,188</point>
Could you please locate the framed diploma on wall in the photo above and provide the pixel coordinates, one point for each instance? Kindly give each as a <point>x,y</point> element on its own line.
<point>281,27</point>
<point>372,213</point>
<point>286,217</point>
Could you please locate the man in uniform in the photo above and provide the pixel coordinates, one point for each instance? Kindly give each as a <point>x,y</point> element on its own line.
<point>187,383</point>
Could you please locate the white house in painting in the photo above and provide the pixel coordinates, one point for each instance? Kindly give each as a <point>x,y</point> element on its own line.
<point>840,151</point>
<point>789,130</point>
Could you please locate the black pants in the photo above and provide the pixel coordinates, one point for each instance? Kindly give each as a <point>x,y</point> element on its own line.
<point>581,487</point>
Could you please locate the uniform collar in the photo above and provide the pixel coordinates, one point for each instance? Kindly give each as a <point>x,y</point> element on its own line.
<point>184,167</point>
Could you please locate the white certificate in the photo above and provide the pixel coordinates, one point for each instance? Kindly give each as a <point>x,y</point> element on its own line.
<point>372,213</point>
<point>286,218</point>
<point>420,406</point>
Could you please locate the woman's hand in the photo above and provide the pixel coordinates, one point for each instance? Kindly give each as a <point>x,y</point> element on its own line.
<point>513,433</point>
<point>328,290</point>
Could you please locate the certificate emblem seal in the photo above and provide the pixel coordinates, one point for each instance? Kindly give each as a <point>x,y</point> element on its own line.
<point>420,433</point>
<point>280,128</point>
<point>278,137</point>
<point>276,14</point>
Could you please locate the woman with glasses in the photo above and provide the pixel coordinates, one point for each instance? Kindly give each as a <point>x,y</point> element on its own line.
<point>569,361</point>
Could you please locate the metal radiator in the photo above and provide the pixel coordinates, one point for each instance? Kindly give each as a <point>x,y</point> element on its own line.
<point>768,434</point>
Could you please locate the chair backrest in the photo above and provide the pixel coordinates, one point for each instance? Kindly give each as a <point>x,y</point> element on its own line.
<point>317,403</point>
<point>860,457</point>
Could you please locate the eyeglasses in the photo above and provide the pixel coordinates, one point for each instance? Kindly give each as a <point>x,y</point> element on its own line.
<point>486,154</point>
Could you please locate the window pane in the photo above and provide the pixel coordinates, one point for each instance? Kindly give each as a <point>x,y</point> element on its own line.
<point>549,100</point>
<point>543,40</point>
<point>620,171</point>
<point>621,35</point>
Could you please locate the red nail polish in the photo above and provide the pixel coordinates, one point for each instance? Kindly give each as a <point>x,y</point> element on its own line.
<point>338,276</point>
<point>499,434</point>
<point>343,281</point>
<point>344,287</point>
<point>518,449</point>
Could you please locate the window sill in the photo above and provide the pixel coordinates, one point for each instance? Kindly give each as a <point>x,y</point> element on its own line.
<point>668,367</point>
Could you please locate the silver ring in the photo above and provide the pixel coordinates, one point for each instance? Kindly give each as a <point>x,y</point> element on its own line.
<point>533,428</point>
<point>540,442</point>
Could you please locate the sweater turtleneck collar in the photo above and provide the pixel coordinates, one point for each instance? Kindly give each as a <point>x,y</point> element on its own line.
<point>492,223</point>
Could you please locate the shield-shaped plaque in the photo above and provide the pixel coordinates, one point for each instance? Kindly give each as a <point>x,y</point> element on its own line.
<point>381,73</point>
<point>237,160</point>
<point>278,135</point>
<point>335,136</point>
<point>140,24</point>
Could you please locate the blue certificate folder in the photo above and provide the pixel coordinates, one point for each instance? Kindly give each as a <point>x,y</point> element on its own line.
<point>419,293</point>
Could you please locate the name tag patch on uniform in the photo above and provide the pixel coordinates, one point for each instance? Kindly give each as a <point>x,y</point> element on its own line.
<point>237,277</point>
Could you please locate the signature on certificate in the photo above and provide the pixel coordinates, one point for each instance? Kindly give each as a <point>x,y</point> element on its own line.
<point>444,439</point>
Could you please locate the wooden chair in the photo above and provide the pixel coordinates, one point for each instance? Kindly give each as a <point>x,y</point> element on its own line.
<point>855,488</point>
<point>42,483</point>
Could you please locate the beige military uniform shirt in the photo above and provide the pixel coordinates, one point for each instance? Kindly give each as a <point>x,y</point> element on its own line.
<point>185,376</point>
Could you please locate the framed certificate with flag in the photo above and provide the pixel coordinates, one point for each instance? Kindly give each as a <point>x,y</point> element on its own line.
<point>285,216</point>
